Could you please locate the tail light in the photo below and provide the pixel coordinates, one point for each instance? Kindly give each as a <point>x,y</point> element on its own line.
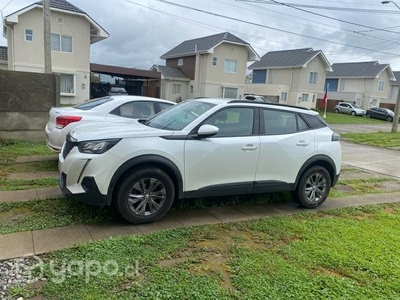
<point>63,121</point>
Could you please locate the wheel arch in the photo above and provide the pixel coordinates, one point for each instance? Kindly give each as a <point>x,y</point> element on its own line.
<point>146,161</point>
<point>319,160</point>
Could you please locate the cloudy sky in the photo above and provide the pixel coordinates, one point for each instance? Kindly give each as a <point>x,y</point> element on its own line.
<point>142,30</point>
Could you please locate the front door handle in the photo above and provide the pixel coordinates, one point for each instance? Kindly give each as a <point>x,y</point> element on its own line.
<point>249,147</point>
<point>302,143</point>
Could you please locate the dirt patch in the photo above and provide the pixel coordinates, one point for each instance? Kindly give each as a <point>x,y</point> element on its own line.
<point>12,216</point>
<point>326,272</point>
<point>344,188</point>
<point>389,186</point>
<point>352,174</point>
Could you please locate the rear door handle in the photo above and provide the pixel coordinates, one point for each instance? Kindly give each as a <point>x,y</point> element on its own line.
<point>302,143</point>
<point>249,147</point>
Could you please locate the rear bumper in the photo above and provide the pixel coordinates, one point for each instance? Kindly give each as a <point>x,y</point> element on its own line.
<point>91,195</point>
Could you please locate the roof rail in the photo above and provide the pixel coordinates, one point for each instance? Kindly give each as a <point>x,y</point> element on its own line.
<point>268,103</point>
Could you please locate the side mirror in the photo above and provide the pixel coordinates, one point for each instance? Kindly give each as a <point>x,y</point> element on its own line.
<point>206,131</point>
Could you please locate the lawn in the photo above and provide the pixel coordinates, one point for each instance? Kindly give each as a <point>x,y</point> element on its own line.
<point>347,253</point>
<point>378,139</point>
<point>332,118</point>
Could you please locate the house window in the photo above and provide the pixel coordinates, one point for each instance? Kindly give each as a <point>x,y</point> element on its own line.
<point>271,76</point>
<point>230,66</point>
<point>61,43</point>
<point>230,93</point>
<point>191,89</point>
<point>28,35</point>
<point>180,62</point>
<point>373,102</point>
<point>304,97</point>
<point>313,77</point>
<point>214,62</point>
<point>380,86</point>
<point>393,91</point>
<point>283,96</point>
<point>358,101</point>
<point>176,89</point>
<point>67,84</point>
<point>343,84</point>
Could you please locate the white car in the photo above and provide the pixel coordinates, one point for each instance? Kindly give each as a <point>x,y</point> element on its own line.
<point>198,148</point>
<point>111,108</point>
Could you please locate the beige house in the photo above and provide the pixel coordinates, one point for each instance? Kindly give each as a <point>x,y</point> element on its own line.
<point>211,66</point>
<point>394,89</point>
<point>363,83</point>
<point>291,76</point>
<point>72,33</point>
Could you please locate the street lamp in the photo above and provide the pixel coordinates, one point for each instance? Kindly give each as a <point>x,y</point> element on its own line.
<point>397,108</point>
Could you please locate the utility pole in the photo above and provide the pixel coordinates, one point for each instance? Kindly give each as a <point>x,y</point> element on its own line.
<point>47,39</point>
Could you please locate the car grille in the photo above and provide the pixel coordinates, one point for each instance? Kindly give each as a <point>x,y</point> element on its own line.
<point>68,146</point>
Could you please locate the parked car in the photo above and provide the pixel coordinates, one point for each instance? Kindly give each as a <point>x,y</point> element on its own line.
<point>109,108</point>
<point>116,90</point>
<point>255,98</point>
<point>198,148</point>
<point>349,108</point>
<point>380,113</point>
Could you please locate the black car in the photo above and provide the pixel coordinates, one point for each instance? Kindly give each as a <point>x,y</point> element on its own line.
<point>380,113</point>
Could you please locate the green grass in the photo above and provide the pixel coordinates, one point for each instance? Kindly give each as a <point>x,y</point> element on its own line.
<point>378,139</point>
<point>15,185</point>
<point>332,118</point>
<point>51,213</point>
<point>347,253</point>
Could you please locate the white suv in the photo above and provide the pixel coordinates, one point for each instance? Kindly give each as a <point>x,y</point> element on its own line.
<point>204,147</point>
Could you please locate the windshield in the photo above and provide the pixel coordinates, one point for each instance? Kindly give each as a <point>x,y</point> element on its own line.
<point>179,116</point>
<point>92,103</point>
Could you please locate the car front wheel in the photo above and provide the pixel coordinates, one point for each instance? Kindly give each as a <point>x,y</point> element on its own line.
<point>313,187</point>
<point>145,196</point>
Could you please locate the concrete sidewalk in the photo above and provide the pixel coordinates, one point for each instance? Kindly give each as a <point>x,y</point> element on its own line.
<point>46,240</point>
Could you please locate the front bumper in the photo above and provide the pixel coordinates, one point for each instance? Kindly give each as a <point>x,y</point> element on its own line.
<point>91,195</point>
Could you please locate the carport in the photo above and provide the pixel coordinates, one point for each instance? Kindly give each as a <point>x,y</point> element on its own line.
<point>135,81</point>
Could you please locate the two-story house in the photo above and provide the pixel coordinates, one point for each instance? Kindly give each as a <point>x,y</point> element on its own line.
<point>211,66</point>
<point>363,83</point>
<point>291,76</point>
<point>72,33</point>
<point>394,91</point>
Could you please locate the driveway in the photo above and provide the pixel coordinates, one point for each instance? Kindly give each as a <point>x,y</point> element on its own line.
<point>384,161</point>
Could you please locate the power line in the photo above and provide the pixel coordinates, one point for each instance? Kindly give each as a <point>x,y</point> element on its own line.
<point>320,15</point>
<point>6,5</point>
<point>269,27</point>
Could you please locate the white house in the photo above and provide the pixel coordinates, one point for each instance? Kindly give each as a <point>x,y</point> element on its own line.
<point>72,33</point>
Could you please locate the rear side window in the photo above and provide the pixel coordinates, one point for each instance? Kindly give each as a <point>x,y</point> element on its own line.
<point>314,121</point>
<point>135,110</point>
<point>164,105</point>
<point>93,103</point>
<point>279,122</point>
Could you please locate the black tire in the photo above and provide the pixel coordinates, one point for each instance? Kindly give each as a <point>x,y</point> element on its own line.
<point>145,196</point>
<point>389,119</point>
<point>336,111</point>
<point>353,113</point>
<point>368,115</point>
<point>313,188</point>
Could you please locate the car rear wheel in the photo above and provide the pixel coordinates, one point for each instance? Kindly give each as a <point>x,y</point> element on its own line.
<point>145,196</point>
<point>336,111</point>
<point>389,119</point>
<point>313,188</point>
<point>368,115</point>
<point>353,113</point>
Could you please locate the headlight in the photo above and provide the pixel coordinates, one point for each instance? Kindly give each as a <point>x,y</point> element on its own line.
<point>97,147</point>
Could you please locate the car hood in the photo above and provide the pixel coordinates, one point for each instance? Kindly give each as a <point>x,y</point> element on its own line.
<point>111,130</point>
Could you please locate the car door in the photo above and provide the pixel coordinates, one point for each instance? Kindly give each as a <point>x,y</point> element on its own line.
<point>286,144</point>
<point>224,163</point>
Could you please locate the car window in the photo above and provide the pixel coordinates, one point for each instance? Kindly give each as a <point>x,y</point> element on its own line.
<point>179,116</point>
<point>93,103</point>
<point>137,109</point>
<point>279,122</point>
<point>301,125</point>
<point>233,122</point>
<point>164,105</point>
<point>314,121</point>
<point>250,98</point>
